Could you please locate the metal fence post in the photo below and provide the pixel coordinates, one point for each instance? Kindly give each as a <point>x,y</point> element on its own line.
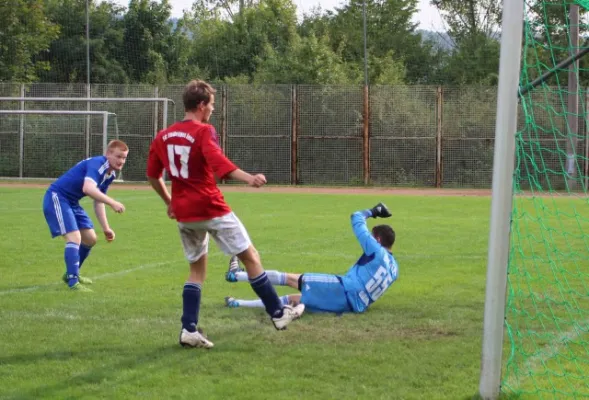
<point>223,137</point>
<point>21,134</point>
<point>104,132</point>
<point>366,136</point>
<point>294,139</point>
<point>439,114</point>
<point>165,114</point>
<point>88,125</point>
<point>586,169</point>
<point>156,116</point>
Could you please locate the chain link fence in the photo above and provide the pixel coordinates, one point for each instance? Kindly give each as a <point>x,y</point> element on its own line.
<point>422,136</point>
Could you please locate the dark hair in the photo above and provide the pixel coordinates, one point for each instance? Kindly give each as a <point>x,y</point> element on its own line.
<point>196,92</point>
<point>386,234</point>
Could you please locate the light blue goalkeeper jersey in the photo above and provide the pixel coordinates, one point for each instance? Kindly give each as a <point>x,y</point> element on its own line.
<point>374,272</point>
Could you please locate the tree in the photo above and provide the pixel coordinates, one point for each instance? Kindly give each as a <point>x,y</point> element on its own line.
<point>147,40</point>
<point>230,48</point>
<point>549,41</point>
<point>473,26</point>
<point>390,34</point>
<point>25,31</point>
<point>307,60</point>
<point>67,55</point>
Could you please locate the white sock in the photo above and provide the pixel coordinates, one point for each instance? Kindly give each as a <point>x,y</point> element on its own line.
<point>258,303</point>
<point>275,277</point>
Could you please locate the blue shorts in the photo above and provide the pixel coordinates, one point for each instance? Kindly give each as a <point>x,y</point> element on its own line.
<point>62,216</point>
<point>324,292</point>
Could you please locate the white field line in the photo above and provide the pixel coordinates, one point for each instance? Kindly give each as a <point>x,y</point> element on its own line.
<point>98,277</point>
<point>533,363</point>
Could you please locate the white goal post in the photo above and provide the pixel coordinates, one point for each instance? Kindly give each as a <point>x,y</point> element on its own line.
<point>165,101</point>
<point>103,114</point>
<point>502,198</point>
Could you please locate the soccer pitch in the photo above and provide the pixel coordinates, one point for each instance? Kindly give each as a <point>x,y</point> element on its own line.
<point>421,340</point>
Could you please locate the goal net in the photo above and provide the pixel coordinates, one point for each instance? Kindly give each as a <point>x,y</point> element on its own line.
<point>46,143</point>
<point>546,351</point>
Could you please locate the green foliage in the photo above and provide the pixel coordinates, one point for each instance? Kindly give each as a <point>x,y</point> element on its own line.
<point>25,32</point>
<point>242,41</point>
<point>473,26</point>
<point>147,33</point>
<point>310,60</point>
<point>67,53</point>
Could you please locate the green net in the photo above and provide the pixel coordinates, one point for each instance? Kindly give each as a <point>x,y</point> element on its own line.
<point>547,315</point>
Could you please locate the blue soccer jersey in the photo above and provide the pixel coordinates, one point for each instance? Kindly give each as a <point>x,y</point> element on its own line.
<point>373,273</point>
<point>70,184</point>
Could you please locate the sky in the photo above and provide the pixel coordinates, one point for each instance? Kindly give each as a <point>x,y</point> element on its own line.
<point>427,17</point>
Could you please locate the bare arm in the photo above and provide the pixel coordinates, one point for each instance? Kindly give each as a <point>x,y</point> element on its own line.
<point>100,212</point>
<point>253,180</point>
<point>160,187</point>
<point>90,189</point>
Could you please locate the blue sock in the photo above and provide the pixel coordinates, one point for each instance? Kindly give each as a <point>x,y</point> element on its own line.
<point>191,306</point>
<point>266,292</point>
<point>72,262</point>
<point>84,251</point>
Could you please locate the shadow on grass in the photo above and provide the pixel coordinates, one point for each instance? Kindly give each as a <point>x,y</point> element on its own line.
<point>95,378</point>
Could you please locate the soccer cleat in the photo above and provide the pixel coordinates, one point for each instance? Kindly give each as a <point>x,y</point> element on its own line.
<point>194,339</point>
<point>82,279</point>
<point>289,314</point>
<point>231,302</point>
<point>233,269</point>
<point>78,287</point>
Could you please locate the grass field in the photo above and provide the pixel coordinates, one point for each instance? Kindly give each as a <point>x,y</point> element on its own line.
<point>421,340</point>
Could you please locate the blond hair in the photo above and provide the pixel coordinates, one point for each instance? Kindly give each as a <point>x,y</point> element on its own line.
<point>117,144</point>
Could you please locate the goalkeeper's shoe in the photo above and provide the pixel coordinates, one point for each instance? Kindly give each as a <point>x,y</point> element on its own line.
<point>78,287</point>
<point>82,279</point>
<point>194,339</point>
<point>233,269</point>
<point>231,302</point>
<point>289,314</point>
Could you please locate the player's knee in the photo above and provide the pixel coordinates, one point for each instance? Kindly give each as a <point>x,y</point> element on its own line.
<point>73,237</point>
<point>250,257</point>
<point>88,238</point>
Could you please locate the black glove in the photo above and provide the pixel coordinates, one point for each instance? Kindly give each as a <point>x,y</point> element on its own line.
<point>380,211</point>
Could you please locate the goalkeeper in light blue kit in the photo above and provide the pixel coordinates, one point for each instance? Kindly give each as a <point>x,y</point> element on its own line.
<point>366,281</point>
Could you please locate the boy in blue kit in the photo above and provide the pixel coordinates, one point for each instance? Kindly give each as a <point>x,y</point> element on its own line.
<point>66,218</point>
<point>367,280</point>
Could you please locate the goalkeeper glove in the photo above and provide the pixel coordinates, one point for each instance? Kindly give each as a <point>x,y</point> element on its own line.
<point>380,211</point>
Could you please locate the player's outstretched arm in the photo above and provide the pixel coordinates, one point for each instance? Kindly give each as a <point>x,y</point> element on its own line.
<point>258,180</point>
<point>100,212</point>
<point>91,190</point>
<point>225,168</point>
<point>363,235</point>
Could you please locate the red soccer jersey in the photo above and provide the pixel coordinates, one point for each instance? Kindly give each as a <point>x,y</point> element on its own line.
<point>190,154</point>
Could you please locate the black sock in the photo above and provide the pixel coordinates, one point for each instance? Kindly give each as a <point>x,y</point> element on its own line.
<point>191,305</point>
<point>267,294</point>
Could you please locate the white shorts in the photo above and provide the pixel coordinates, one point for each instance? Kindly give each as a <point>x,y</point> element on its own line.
<point>227,231</point>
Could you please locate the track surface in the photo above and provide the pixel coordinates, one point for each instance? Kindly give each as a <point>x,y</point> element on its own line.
<point>299,189</point>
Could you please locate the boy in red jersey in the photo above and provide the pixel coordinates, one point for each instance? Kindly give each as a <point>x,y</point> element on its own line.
<point>189,152</point>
